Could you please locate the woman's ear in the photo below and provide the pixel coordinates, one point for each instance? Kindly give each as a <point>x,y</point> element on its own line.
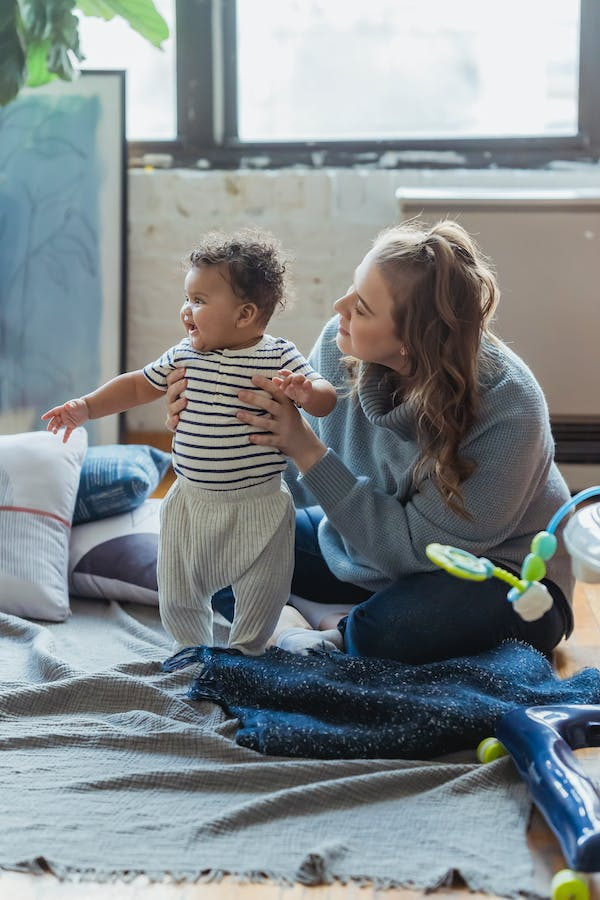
<point>247,315</point>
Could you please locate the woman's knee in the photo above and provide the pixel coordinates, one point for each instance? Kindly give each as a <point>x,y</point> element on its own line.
<point>428,617</point>
<point>367,633</point>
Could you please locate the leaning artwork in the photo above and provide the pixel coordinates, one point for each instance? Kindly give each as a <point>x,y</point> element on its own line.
<point>61,260</point>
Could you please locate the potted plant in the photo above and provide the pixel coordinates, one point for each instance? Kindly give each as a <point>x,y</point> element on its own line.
<point>39,39</point>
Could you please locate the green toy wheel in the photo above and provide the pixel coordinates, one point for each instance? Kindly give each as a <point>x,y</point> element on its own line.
<point>570,885</point>
<point>459,562</point>
<point>490,749</point>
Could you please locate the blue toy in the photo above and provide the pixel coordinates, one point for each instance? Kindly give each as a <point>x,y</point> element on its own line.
<point>541,739</point>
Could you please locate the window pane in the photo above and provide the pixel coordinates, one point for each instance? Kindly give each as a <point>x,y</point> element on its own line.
<point>151,105</point>
<point>401,69</point>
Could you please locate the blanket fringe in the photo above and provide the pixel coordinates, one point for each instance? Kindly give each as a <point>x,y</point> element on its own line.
<point>316,868</point>
<point>451,878</point>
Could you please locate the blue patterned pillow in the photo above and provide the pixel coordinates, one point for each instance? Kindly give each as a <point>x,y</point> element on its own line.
<point>116,479</point>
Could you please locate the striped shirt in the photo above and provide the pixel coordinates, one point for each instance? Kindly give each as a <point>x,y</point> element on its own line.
<point>211,446</point>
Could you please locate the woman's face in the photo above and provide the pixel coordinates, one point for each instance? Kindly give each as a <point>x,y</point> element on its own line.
<point>366,327</point>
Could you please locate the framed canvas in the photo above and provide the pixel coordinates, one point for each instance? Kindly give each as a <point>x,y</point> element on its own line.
<point>62,248</point>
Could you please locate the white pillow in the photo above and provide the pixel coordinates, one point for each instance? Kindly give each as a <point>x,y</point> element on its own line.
<point>39,479</point>
<point>115,558</point>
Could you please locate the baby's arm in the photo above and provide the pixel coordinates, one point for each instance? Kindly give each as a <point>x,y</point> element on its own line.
<point>317,397</point>
<point>116,396</point>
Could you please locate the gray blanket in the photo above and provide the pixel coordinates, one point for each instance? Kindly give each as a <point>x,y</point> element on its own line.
<point>107,770</point>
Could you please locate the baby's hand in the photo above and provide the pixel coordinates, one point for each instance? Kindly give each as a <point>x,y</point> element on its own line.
<point>297,387</point>
<point>68,416</point>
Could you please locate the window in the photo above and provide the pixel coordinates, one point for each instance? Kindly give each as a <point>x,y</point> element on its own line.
<point>151,92</point>
<point>381,82</point>
<point>363,71</point>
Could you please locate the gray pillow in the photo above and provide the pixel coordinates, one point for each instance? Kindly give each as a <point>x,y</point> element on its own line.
<point>115,558</point>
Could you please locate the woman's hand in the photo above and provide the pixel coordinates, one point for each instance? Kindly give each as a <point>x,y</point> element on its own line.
<point>282,426</point>
<point>175,400</point>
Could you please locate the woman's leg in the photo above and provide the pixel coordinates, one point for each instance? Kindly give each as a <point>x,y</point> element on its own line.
<point>433,616</point>
<point>312,577</point>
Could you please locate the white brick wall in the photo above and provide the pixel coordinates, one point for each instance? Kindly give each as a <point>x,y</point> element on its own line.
<point>326,218</point>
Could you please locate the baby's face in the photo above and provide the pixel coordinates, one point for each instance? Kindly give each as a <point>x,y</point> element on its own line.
<point>211,312</point>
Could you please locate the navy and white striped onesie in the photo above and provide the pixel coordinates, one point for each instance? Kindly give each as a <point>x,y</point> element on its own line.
<point>229,518</point>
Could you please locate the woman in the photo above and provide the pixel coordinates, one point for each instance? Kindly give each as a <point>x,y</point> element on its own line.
<point>440,434</point>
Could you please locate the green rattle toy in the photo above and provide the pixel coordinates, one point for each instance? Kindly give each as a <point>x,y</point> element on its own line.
<point>529,597</point>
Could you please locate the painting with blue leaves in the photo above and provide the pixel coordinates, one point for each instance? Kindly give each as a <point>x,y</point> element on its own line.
<point>61,234</point>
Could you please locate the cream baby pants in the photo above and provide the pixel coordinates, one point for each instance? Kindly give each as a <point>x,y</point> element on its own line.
<point>212,539</point>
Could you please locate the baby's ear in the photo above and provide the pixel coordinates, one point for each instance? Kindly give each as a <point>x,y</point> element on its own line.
<point>247,314</point>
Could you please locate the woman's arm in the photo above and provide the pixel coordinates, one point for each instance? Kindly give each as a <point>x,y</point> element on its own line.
<point>387,533</point>
<point>390,534</point>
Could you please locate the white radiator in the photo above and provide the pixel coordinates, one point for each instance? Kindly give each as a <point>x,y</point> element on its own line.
<point>546,249</point>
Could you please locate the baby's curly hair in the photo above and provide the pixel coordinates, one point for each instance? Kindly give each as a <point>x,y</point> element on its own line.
<point>256,266</point>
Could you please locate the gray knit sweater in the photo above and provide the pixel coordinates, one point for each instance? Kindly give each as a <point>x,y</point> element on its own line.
<point>377,526</point>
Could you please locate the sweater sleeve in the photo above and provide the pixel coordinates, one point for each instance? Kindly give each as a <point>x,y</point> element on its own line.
<point>513,450</point>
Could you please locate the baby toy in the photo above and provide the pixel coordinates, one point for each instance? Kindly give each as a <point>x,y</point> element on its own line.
<point>529,597</point>
<point>541,739</point>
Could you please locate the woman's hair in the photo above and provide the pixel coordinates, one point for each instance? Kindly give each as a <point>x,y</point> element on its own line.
<point>451,300</point>
<point>255,266</point>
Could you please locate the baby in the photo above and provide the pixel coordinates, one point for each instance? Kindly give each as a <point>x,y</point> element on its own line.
<point>229,518</point>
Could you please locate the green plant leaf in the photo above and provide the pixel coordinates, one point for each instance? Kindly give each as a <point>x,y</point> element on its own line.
<point>33,18</point>
<point>63,28</point>
<point>39,39</point>
<point>97,8</point>
<point>141,15</point>
<point>60,63</point>
<point>12,63</point>
<point>37,67</point>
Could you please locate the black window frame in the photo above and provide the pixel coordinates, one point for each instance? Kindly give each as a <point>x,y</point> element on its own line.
<point>207,112</point>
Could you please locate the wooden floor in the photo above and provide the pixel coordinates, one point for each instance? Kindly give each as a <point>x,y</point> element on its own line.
<point>582,649</point>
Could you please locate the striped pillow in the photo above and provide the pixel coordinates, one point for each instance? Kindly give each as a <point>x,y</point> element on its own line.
<point>39,478</point>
